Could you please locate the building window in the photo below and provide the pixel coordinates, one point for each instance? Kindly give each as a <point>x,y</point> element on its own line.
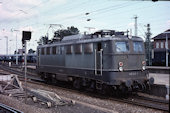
<point>48,50</point>
<point>69,49</point>
<point>88,48</point>
<point>162,44</point>
<point>42,51</point>
<point>54,50</point>
<point>157,44</point>
<point>78,49</point>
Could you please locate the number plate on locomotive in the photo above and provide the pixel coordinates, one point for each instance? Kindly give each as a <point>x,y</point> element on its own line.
<point>133,73</point>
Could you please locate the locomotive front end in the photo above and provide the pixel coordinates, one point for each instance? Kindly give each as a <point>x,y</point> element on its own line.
<point>129,65</point>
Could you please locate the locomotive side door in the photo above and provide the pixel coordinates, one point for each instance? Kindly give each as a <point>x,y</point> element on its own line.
<point>98,59</point>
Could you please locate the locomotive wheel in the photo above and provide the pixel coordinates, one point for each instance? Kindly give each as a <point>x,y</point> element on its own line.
<point>104,89</point>
<point>117,93</point>
<point>76,84</point>
<point>34,99</point>
<point>148,87</point>
<point>42,76</point>
<point>123,90</point>
<point>49,104</point>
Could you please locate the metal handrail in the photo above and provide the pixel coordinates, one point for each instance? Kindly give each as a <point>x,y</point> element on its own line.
<point>101,63</point>
<point>95,62</point>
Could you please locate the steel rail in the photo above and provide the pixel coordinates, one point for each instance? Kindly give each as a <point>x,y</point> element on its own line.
<point>7,109</point>
<point>153,99</point>
<point>148,104</point>
<point>20,73</point>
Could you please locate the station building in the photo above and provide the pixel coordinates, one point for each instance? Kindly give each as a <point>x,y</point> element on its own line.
<point>159,47</point>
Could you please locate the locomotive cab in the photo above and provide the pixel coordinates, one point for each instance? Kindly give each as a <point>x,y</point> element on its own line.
<point>129,54</point>
<point>129,63</point>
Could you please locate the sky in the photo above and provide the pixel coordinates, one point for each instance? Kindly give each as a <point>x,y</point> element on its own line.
<point>37,15</point>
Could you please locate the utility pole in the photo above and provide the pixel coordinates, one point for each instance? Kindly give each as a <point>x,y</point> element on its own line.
<point>130,33</point>
<point>12,30</point>
<point>16,48</point>
<point>136,26</point>
<point>148,45</point>
<point>6,44</point>
<point>166,46</point>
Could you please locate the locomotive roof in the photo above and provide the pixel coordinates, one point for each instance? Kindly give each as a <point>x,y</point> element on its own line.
<point>75,39</point>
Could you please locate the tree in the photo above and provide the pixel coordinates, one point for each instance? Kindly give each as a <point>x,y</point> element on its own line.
<point>31,51</point>
<point>43,40</point>
<point>59,34</point>
<point>73,30</point>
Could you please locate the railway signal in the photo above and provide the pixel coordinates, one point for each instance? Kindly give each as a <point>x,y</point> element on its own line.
<point>26,35</point>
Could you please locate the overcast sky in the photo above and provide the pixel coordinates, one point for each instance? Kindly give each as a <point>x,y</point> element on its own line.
<point>36,15</point>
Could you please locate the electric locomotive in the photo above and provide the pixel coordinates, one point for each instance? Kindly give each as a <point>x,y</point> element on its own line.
<point>103,60</point>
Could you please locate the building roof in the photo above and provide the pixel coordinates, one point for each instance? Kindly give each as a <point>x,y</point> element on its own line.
<point>162,35</point>
<point>167,30</point>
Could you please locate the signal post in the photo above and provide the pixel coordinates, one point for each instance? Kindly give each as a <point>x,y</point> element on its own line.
<point>26,36</point>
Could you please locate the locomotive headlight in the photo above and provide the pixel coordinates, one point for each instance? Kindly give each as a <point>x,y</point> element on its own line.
<point>143,67</point>
<point>120,64</point>
<point>120,68</point>
<point>143,63</point>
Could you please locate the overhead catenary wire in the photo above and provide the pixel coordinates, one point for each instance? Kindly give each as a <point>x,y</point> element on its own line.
<point>40,4</point>
<point>91,11</point>
<point>94,15</point>
<point>25,11</point>
<point>43,2</point>
<point>82,14</point>
<point>98,9</point>
<point>70,18</point>
<point>118,12</point>
<point>79,15</point>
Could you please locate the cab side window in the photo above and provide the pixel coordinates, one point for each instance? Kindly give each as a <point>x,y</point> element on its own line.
<point>42,51</point>
<point>88,48</point>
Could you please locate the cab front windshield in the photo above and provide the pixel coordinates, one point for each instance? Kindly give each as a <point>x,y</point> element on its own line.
<point>138,46</point>
<point>122,46</point>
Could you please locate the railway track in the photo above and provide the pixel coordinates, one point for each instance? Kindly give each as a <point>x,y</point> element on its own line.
<point>148,102</point>
<point>20,73</point>
<point>7,109</point>
<point>159,104</point>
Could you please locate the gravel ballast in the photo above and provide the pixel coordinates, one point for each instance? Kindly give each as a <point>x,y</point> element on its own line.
<point>84,103</point>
